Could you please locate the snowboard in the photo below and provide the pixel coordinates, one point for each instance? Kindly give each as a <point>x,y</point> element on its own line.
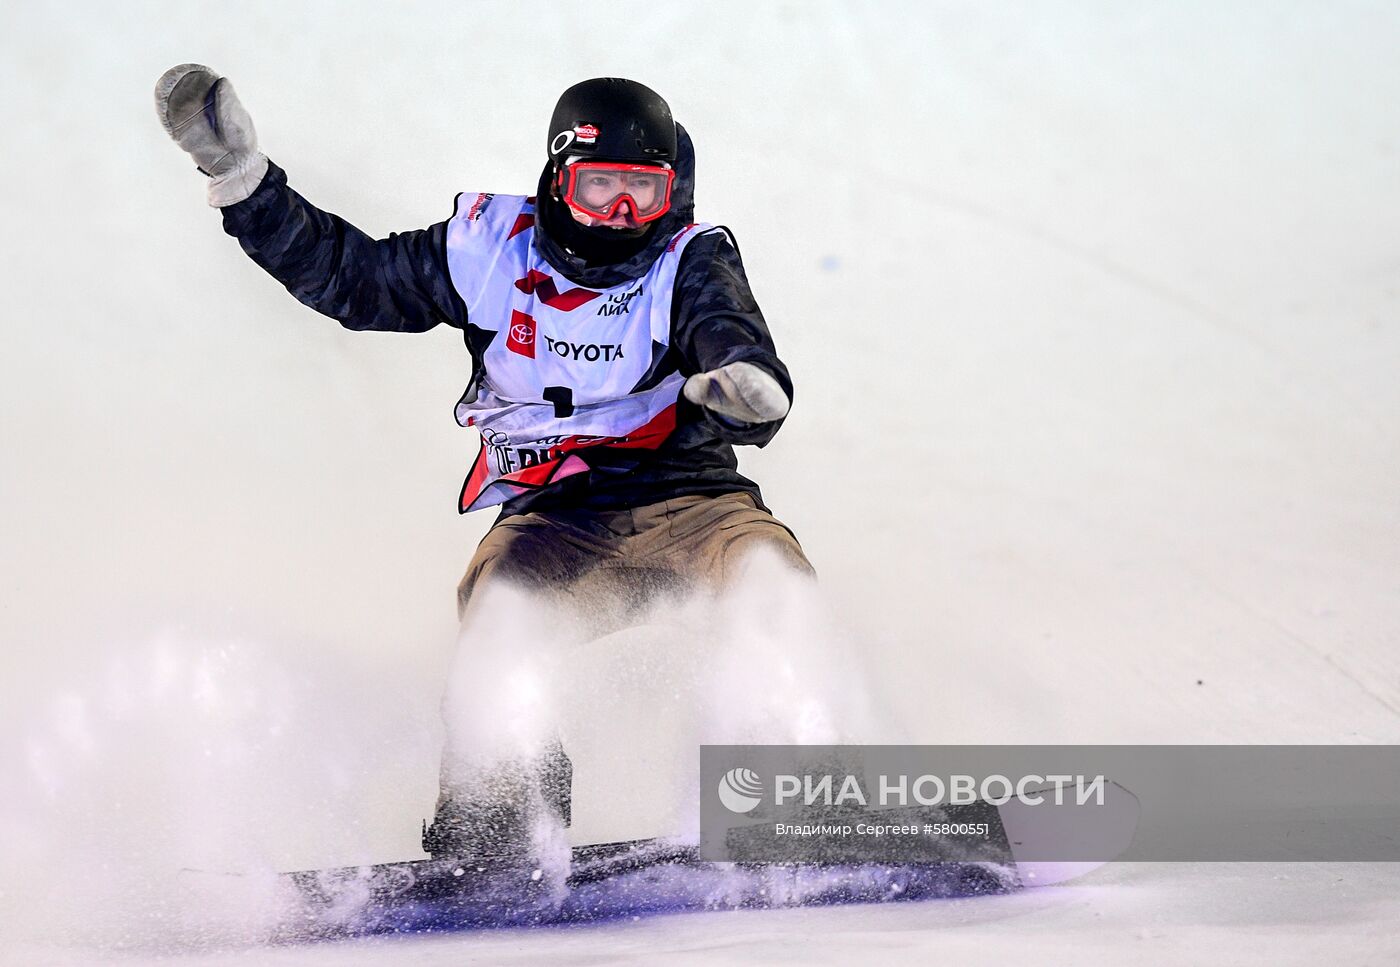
<point>651,876</point>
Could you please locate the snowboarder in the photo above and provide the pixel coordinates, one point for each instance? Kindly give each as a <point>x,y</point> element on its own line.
<point>617,356</point>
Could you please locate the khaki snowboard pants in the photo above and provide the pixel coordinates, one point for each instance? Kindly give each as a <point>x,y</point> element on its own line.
<point>629,554</point>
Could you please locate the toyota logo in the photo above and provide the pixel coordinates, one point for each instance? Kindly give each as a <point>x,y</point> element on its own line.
<point>523,334</point>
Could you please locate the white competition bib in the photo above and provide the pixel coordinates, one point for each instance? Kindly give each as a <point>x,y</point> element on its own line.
<point>568,369</point>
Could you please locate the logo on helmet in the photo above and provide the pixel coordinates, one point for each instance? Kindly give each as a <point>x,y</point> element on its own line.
<point>561,141</point>
<point>586,133</point>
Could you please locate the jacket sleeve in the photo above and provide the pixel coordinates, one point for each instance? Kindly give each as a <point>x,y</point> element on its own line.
<point>717,322</point>
<point>397,284</point>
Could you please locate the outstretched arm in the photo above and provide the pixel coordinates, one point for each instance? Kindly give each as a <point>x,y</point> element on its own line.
<point>733,368</point>
<point>398,284</point>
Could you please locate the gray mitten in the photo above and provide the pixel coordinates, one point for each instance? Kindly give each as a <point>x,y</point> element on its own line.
<point>202,113</point>
<point>740,391</point>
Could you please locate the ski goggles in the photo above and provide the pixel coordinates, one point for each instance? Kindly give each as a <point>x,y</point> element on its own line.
<point>599,188</point>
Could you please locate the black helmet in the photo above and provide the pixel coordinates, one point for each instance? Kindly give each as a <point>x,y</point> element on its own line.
<point>614,119</point>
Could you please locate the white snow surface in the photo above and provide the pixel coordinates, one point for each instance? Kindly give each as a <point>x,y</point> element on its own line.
<point>1094,315</point>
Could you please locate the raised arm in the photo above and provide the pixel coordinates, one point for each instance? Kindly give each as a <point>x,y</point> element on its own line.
<point>397,284</point>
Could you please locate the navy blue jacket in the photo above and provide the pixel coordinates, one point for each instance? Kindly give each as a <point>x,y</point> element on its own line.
<point>401,284</point>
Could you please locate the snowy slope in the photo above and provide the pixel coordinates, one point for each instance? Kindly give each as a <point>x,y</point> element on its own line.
<point>1094,313</point>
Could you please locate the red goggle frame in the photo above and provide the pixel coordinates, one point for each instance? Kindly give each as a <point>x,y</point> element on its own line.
<point>598,188</point>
